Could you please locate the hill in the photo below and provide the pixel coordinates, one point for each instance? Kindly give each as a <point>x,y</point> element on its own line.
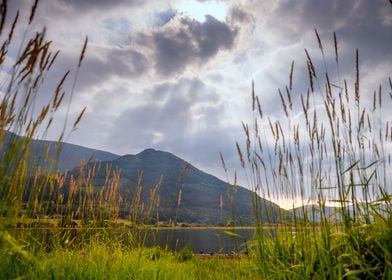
<point>205,199</point>
<point>200,192</point>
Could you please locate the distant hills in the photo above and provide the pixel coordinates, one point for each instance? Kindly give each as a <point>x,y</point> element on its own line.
<point>204,198</point>
<point>314,213</point>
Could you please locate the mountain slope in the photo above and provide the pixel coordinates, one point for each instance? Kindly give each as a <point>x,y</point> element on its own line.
<point>205,199</point>
<point>70,157</point>
<point>200,192</point>
<point>315,213</point>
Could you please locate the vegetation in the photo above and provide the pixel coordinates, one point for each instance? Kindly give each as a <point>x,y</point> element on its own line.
<point>338,152</point>
<point>102,261</point>
<point>332,147</point>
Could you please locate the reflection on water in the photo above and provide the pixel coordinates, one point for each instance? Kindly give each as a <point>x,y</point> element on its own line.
<point>202,240</point>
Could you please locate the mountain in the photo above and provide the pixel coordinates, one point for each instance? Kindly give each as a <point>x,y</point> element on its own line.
<point>205,199</point>
<point>70,156</point>
<point>200,192</point>
<point>314,212</point>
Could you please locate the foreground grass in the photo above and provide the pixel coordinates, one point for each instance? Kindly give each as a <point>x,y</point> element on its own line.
<point>363,252</point>
<point>104,261</point>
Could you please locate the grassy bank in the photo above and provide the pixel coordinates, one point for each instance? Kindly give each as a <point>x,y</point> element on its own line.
<point>364,252</point>
<point>104,261</point>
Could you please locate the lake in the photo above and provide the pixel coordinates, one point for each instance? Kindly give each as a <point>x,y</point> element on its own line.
<point>204,240</point>
<point>200,240</point>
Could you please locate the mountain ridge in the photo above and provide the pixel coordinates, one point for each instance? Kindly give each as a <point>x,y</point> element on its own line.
<point>71,155</point>
<point>205,199</point>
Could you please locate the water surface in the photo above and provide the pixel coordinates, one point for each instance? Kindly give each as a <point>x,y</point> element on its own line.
<point>200,240</point>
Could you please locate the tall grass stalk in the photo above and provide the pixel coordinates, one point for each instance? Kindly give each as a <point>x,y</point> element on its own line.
<point>331,147</point>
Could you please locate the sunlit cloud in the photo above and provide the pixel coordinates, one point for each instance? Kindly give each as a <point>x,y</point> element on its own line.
<point>198,10</point>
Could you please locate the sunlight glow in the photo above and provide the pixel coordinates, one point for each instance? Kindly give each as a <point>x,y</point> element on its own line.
<point>198,10</point>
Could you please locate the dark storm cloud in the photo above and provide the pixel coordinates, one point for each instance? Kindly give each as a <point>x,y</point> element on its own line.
<point>316,13</point>
<point>366,31</point>
<point>360,24</point>
<point>101,64</point>
<point>185,41</point>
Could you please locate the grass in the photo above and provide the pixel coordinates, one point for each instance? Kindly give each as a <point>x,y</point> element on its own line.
<point>330,147</point>
<point>102,261</point>
<point>337,151</point>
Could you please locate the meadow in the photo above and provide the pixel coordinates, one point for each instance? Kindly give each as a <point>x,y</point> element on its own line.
<point>331,147</point>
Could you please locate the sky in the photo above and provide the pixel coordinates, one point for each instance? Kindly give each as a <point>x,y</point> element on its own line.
<point>177,75</point>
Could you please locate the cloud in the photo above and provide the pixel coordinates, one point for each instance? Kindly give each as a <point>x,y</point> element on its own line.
<point>66,9</point>
<point>102,64</point>
<point>184,41</point>
<point>161,18</point>
<point>173,114</point>
<point>239,15</point>
<point>282,29</point>
<point>84,6</point>
<point>359,24</point>
<point>171,45</point>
